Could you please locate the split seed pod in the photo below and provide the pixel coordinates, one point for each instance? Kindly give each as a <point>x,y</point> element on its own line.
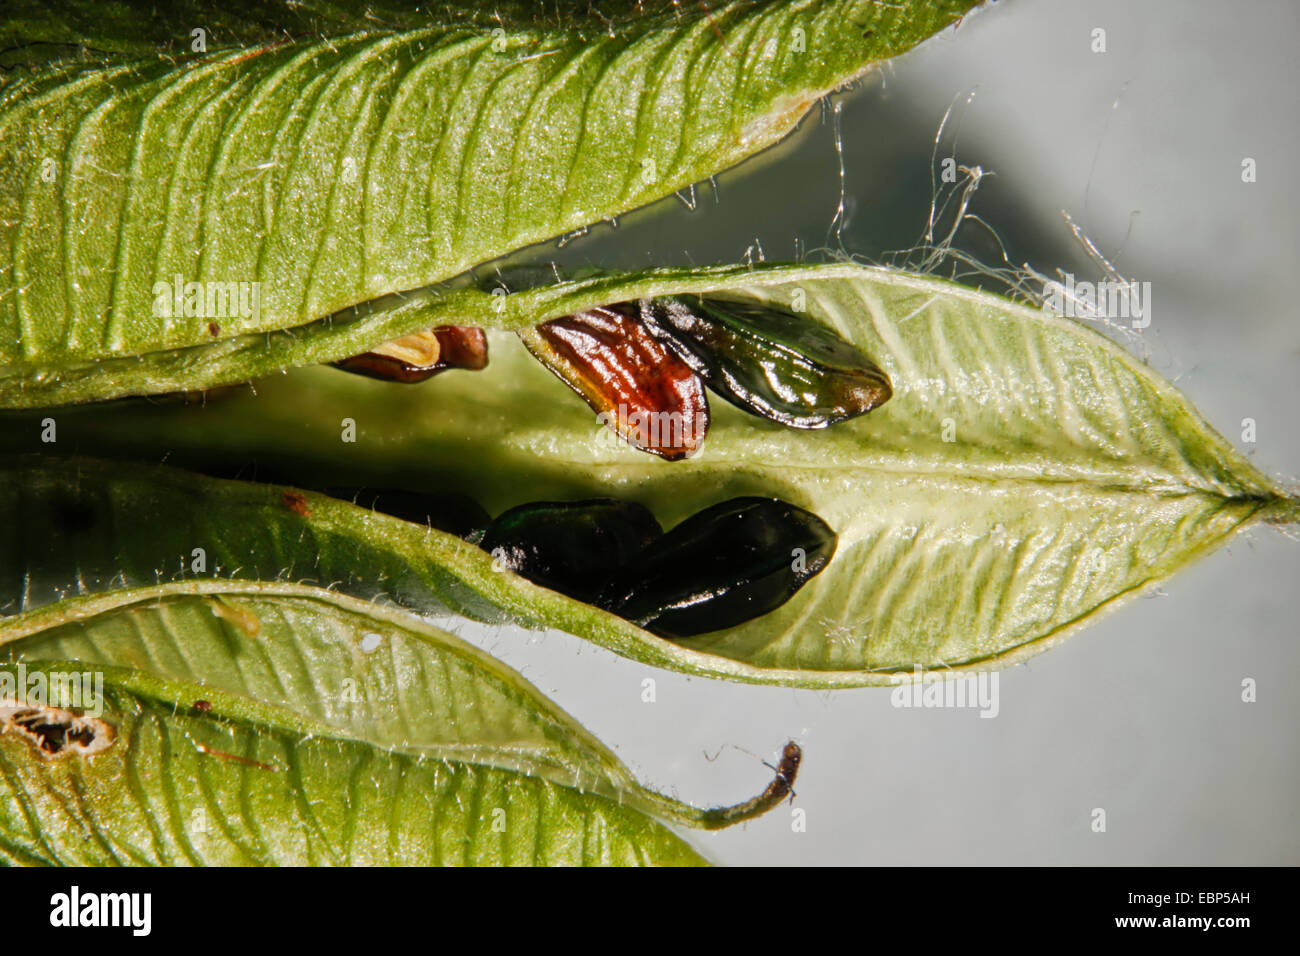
<point>637,385</point>
<point>723,566</point>
<point>573,547</point>
<point>421,355</point>
<point>768,361</point>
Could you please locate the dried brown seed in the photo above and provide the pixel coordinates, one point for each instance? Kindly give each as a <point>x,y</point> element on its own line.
<point>421,355</point>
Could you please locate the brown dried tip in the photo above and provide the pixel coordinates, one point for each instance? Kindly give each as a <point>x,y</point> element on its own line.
<point>638,386</point>
<point>782,786</point>
<point>783,783</point>
<point>422,355</point>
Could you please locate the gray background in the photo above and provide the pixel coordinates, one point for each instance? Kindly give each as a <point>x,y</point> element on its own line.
<point>1142,713</point>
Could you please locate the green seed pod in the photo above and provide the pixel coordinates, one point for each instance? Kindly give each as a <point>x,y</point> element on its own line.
<point>573,547</point>
<point>768,361</point>
<point>728,564</point>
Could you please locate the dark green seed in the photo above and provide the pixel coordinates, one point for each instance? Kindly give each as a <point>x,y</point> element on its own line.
<point>768,361</point>
<point>571,546</point>
<point>728,564</point>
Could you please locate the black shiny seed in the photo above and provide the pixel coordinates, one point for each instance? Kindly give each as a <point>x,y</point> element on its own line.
<point>573,547</point>
<point>421,355</point>
<point>726,565</point>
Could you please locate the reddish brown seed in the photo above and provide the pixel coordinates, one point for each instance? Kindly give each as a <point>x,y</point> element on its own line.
<point>421,355</point>
<point>637,385</point>
<point>463,346</point>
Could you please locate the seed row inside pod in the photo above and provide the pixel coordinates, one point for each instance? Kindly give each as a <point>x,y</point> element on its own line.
<point>643,366</point>
<point>727,564</point>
